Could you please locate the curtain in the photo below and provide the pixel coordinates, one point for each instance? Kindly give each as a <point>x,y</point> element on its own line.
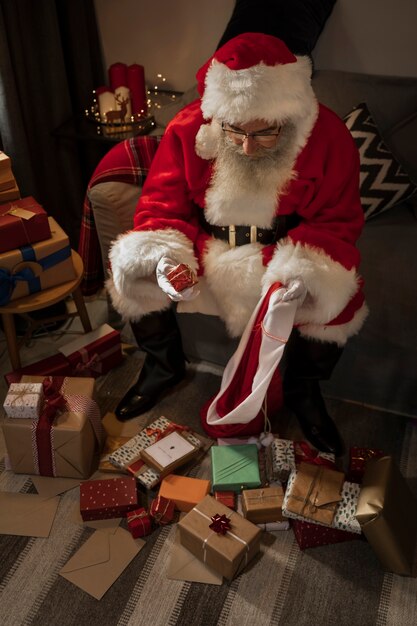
<point>50,62</point>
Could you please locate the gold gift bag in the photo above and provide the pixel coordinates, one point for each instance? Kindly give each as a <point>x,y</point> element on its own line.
<point>387,513</point>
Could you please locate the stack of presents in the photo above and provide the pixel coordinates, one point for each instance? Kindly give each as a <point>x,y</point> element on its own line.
<point>53,430</point>
<point>8,185</point>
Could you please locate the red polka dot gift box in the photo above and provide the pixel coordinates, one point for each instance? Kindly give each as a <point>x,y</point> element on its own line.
<point>108,498</point>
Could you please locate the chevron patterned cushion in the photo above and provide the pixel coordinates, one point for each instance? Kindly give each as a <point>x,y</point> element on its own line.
<point>383,181</point>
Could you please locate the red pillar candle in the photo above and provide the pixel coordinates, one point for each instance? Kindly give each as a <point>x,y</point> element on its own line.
<point>136,84</point>
<point>118,75</point>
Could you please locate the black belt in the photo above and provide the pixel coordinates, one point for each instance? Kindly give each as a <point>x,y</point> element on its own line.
<point>241,235</point>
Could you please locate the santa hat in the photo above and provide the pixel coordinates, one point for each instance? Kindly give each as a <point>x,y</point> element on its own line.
<point>238,408</point>
<point>254,76</point>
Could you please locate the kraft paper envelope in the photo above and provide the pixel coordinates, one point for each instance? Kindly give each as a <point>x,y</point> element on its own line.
<point>26,514</point>
<point>50,486</point>
<point>183,565</point>
<point>100,561</point>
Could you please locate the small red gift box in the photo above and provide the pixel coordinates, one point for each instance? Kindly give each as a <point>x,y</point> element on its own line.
<point>162,510</point>
<point>139,523</point>
<point>181,277</point>
<point>94,353</point>
<point>56,365</point>
<point>228,498</point>
<point>109,498</point>
<point>310,535</point>
<point>358,457</point>
<point>22,222</point>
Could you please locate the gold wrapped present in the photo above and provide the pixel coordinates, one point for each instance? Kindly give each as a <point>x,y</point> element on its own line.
<point>66,438</point>
<point>219,537</point>
<point>387,513</point>
<point>263,505</point>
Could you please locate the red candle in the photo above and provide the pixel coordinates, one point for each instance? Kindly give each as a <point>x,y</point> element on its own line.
<point>136,84</point>
<point>118,75</point>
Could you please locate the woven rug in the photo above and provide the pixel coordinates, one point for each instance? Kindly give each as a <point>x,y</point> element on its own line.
<point>340,584</point>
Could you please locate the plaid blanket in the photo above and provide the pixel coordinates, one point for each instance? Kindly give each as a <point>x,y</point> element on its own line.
<point>127,162</point>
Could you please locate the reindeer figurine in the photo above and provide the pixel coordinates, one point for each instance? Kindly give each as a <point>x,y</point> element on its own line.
<point>119,114</point>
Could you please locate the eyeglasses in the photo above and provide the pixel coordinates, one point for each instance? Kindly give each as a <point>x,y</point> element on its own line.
<point>267,139</point>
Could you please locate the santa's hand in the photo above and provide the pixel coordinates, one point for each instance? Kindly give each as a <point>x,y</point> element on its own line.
<point>164,267</point>
<point>295,290</point>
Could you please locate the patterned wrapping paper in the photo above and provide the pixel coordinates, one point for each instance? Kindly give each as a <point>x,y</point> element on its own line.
<point>310,535</point>
<point>139,523</point>
<point>33,268</point>
<point>344,518</point>
<point>22,222</point>
<point>127,457</point>
<point>108,498</point>
<point>24,400</point>
<point>283,458</point>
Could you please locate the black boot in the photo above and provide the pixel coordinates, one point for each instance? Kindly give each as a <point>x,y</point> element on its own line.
<point>308,362</point>
<point>157,334</point>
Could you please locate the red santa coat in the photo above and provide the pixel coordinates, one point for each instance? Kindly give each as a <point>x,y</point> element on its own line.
<point>321,186</point>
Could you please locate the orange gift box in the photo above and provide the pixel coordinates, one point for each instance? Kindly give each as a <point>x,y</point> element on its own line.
<point>186,492</point>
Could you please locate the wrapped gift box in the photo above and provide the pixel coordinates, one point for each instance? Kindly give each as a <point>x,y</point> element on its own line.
<point>358,458</point>
<point>387,513</point>
<point>67,442</point>
<point>304,453</point>
<point>128,457</point>
<point>169,452</point>
<point>139,523</point>
<point>263,505</point>
<point>283,458</point>
<point>226,544</point>
<point>24,400</point>
<point>309,535</point>
<point>228,498</point>
<point>235,467</point>
<point>108,498</point>
<point>30,269</point>
<point>162,510</point>
<point>94,353</point>
<point>55,365</point>
<point>22,222</point>
<point>186,492</point>
<point>182,277</point>
<point>318,502</point>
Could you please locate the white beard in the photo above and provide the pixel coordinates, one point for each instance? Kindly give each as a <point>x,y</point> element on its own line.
<point>245,190</point>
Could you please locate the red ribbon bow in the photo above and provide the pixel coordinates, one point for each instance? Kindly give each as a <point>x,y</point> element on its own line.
<point>53,402</point>
<point>305,453</point>
<point>220,524</point>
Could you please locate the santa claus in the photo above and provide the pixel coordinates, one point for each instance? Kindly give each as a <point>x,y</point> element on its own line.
<point>254,183</point>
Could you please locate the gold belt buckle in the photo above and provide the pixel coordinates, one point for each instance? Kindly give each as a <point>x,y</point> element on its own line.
<point>232,236</point>
<point>253,234</point>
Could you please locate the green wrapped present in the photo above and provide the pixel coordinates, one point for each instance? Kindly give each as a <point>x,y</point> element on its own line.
<point>235,468</point>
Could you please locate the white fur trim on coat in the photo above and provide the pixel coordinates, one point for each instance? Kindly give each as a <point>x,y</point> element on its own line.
<point>133,257</point>
<point>338,334</point>
<point>224,269</point>
<point>329,285</point>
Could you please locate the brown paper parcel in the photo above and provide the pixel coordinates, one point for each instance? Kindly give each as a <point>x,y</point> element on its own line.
<point>227,554</point>
<point>387,513</point>
<point>263,505</point>
<point>316,492</point>
<point>74,441</point>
